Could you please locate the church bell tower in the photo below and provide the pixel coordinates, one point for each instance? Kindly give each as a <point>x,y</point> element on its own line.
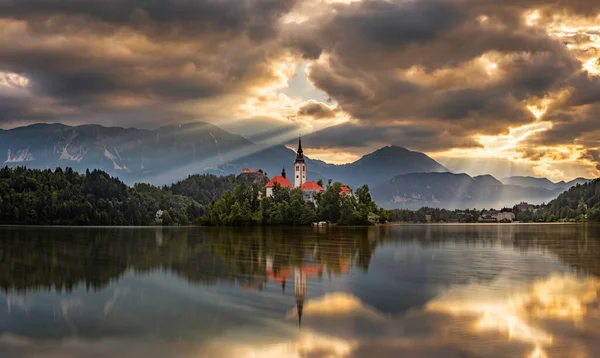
<point>299,166</point>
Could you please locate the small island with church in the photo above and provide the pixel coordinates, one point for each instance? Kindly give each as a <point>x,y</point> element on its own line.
<point>279,202</point>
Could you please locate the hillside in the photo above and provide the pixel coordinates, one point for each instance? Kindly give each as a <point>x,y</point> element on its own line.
<point>581,202</point>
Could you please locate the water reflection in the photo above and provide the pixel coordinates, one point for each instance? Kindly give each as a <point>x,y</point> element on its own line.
<point>418,291</point>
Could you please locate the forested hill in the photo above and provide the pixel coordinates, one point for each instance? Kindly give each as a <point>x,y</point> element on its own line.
<point>65,197</point>
<point>578,203</point>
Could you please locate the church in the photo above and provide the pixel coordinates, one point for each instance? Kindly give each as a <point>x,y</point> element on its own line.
<point>310,189</point>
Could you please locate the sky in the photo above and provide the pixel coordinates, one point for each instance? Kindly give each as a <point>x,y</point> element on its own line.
<point>507,87</point>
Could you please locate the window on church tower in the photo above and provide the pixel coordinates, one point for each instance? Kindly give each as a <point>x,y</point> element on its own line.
<point>297,167</point>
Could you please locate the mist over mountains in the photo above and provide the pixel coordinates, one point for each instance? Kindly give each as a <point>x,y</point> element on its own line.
<point>398,177</point>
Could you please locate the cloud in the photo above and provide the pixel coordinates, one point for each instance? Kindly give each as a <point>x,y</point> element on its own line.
<point>469,68</point>
<point>431,75</point>
<point>114,57</point>
<point>317,110</point>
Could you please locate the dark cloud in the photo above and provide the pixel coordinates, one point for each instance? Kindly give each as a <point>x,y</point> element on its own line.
<point>359,138</point>
<point>427,75</point>
<point>317,110</point>
<point>95,55</point>
<point>392,64</point>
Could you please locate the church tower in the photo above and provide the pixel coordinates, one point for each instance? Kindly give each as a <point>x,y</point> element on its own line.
<point>299,291</point>
<point>299,167</point>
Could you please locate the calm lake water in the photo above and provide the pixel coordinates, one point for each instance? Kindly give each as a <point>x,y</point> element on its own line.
<point>399,291</point>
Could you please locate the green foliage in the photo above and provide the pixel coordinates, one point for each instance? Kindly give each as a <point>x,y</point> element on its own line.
<point>580,203</point>
<point>242,208</point>
<point>288,207</point>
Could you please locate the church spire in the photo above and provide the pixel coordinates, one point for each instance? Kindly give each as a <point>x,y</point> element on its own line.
<point>299,152</point>
<point>299,307</point>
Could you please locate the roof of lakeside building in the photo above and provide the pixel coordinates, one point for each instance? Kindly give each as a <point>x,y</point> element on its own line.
<point>345,190</point>
<point>283,182</point>
<point>311,186</point>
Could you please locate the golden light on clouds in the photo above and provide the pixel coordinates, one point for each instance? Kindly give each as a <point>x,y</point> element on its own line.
<point>13,80</point>
<point>539,108</point>
<point>532,17</point>
<point>503,144</point>
<point>592,66</point>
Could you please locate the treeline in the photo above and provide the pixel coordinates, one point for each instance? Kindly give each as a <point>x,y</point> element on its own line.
<point>65,197</point>
<point>434,215</point>
<point>242,207</point>
<point>580,203</point>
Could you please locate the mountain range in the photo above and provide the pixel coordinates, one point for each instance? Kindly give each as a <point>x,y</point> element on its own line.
<point>171,153</point>
<point>449,190</point>
<point>398,177</point>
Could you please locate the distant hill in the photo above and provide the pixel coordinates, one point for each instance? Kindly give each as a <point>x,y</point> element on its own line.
<point>448,190</point>
<point>487,180</point>
<point>532,182</point>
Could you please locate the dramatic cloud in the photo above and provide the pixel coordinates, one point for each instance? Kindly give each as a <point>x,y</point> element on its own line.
<point>517,79</point>
<point>123,56</point>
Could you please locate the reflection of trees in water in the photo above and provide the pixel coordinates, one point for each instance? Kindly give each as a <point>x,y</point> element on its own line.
<point>61,259</point>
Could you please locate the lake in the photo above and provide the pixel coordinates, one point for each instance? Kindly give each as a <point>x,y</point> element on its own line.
<point>391,291</point>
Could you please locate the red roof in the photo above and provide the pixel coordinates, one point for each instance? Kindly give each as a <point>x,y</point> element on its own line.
<point>280,277</point>
<point>311,270</point>
<point>311,185</point>
<point>345,190</point>
<point>283,182</point>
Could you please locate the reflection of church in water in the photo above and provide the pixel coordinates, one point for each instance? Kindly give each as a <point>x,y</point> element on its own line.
<point>301,272</point>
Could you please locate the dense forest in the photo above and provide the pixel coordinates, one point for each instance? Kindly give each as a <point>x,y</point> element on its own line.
<point>65,197</point>
<point>580,203</point>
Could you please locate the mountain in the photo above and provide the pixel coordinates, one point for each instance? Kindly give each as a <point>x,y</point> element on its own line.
<point>378,167</point>
<point>487,180</point>
<point>167,154</point>
<point>532,182</point>
<point>160,155</point>
<point>448,190</point>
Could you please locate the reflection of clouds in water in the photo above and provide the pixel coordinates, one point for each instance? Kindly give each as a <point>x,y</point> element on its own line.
<point>557,297</point>
<point>117,293</point>
<point>338,304</point>
<point>492,320</point>
<point>552,317</point>
<point>66,305</point>
<point>13,301</point>
<point>307,344</point>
